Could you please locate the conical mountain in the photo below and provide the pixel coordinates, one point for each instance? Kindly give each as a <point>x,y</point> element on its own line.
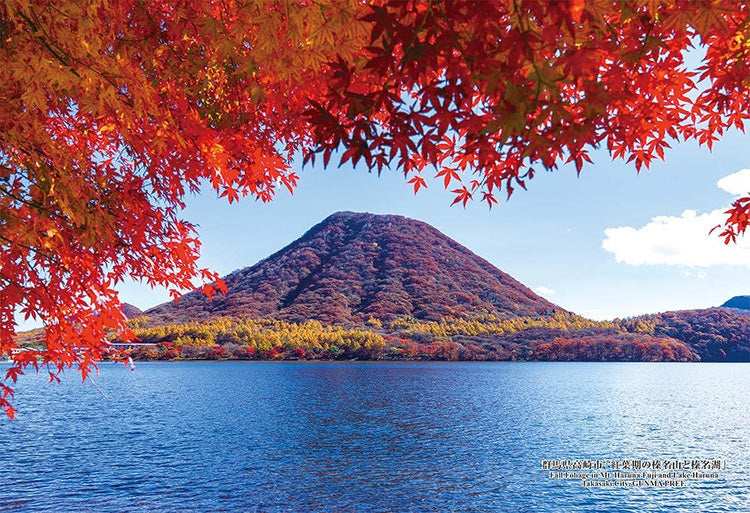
<point>353,266</point>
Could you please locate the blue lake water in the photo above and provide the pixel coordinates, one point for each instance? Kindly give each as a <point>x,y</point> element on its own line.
<point>371,437</point>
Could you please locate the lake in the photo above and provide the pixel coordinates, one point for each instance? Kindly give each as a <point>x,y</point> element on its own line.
<point>373,437</point>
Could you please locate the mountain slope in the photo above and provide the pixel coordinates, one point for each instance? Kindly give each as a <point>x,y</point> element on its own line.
<point>353,266</point>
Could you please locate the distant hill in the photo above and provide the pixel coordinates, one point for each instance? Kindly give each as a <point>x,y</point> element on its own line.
<point>130,311</point>
<point>354,266</point>
<point>36,336</point>
<point>714,334</point>
<point>739,302</point>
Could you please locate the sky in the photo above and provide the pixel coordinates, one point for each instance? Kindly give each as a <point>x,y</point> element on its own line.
<point>608,243</point>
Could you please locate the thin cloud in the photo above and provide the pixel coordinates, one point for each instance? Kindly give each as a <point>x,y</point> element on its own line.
<point>700,274</point>
<point>544,291</point>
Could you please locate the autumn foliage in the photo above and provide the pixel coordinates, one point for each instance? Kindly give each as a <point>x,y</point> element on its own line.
<point>562,337</point>
<point>716,334</point>
<point>111,112</point>
<point>623,348</point>
<point>353,267</point>
<point>709,335</point>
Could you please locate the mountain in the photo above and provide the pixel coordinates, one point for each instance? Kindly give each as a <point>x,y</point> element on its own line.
<point>739,302</point>
<point>355,266</point>
<point>130,311</point>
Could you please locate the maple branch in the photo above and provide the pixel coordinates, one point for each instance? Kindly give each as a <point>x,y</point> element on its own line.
<point>23,289</point>
<point>4,30</point>
<point>402,62</point>
<point>645,40</point>
<point>39,282</point>
<point>49,256</point>
<point>155,25</point>
<point>529,51</point>
<point>612,31</point>
<point>38,206</point>
<point>37,28</point>
<point>415,35</point>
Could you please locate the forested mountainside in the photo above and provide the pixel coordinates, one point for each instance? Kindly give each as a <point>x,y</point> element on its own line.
<point>354,266</point>
<point>709,335</point>
<point>715,334</point>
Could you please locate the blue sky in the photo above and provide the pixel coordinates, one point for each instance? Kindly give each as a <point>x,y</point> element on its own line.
<point>551,237</point>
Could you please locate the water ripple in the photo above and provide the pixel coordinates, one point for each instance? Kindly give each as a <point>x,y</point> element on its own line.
<point>358,437</point>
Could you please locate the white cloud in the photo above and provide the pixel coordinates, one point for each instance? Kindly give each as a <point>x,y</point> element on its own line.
<point>683,240</point>
<point>545,291</point>
<point>673,240</point>
<point>737,184</point>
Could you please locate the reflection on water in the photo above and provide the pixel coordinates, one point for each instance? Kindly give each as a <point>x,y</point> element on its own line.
<point>273,437</point>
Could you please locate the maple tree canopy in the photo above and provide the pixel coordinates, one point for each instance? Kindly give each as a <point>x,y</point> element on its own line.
<point>112,110</point>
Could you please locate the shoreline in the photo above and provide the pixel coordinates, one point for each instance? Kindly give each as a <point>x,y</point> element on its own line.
<point>326,362</point>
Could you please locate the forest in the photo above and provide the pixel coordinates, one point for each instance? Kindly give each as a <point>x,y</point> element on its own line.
<point>559,337</point>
